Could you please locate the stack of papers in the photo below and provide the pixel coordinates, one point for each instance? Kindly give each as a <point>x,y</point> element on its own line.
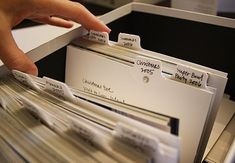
<point>127,75</point>
<point>43,120</point>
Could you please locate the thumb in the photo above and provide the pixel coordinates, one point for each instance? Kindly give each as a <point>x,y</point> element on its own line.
<point>12,56</point>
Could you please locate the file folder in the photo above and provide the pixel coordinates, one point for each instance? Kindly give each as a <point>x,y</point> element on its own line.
<point>97,72</point>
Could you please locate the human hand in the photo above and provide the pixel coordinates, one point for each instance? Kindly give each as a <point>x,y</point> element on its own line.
<point>54,12</point>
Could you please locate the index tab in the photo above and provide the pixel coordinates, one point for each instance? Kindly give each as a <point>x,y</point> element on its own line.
<point>190,76</point>
<point>38,111</point>
<point>84,130</point>
<point>58,88</point>
<point>129,41</point>
<point>33,108</point>
<point>90,133</point>
<point>141,140</point>
<point>25,79</point>
<point>100,37</point>
<point>147,69</point>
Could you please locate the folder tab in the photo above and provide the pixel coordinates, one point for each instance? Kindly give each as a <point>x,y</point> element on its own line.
<point>25,79</point>
<point>31,107</point>
<point>147,69</point>
<point>141,140</point>
<point>129,41</point>
<point>190,76</point>
<point>91,133</point>
<point>84,130</point>
<point>60,89</point>
<point>100,37</point>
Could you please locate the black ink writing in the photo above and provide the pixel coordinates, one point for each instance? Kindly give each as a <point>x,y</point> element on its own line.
<point>198,77</point>
<point>97,34</point>
<point>180,78</point>
<point>191,78</point>
<point>108,89</point>
<point>53,85</point>
<point>92,83</point>
<point>148,64</point>
<point>195,83</point>
<point>127,44</point>
<point>128,39</point>
<point>97,85</point>
<point>147,71</point>
<point>183,72</point>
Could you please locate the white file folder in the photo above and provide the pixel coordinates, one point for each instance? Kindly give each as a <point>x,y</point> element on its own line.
<point>189,104</point>
<point>195,108</point>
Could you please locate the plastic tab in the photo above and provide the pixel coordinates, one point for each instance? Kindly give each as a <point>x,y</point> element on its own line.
<point>33,108</point>
<point>84,130</point>
<point>58,88</point>
<point>129,41</point>
<point>100,37</point>
<point>90,133</point>
<point>190,76</point>
<point>147,69</point>
<point>142,141</point>
<point>25,79</point>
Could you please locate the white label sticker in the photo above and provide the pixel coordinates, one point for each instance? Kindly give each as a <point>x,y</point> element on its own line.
<point>147,69</point>
<point>25,79</point>
<point>100,37</point>
<point>32,107</point>
<point>42,114</point>
<point>190,76</point>
<point>84,130</point>
<point>129,41</point>
<point>60,89</point>
<point>140,140</point>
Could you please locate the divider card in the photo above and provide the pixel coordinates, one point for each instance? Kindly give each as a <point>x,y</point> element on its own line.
<point>216,79</point>
<point>143,85</point>
<point>187,103</point>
